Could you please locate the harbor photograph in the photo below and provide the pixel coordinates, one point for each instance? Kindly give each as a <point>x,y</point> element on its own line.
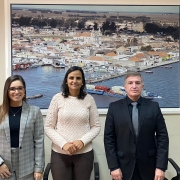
<point>106,41</point>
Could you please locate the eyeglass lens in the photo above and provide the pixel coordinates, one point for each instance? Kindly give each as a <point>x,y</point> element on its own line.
<point>14,88</point>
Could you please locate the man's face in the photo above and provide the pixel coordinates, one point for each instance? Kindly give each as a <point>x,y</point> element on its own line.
<point>133,86</point>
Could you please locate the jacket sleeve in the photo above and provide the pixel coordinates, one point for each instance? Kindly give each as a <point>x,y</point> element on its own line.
<point>110,140</point>
<point>162,141</point>
<point>39,142</point>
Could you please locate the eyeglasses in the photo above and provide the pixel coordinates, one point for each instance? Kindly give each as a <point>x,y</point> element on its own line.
<point>13,89</point>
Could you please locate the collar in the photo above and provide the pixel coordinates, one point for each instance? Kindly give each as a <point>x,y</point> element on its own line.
<point>129,101</point>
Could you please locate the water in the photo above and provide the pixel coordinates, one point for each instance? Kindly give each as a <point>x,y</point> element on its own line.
<point>47,80</point>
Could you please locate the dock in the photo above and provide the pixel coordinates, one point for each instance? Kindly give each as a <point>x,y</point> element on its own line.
<point>161,64</point>
<point>35,96</point>
<point>104,79</point>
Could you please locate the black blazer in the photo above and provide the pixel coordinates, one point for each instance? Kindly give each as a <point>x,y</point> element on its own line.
<point>123,148</point>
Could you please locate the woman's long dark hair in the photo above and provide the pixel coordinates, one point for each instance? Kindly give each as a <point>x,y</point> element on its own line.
<point>4,108</point>
<point>65,88</point>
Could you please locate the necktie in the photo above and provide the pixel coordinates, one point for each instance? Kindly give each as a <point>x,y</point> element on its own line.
<point>135,117</point>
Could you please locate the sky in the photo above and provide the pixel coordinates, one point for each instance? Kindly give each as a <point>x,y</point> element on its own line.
<point>118,8</point>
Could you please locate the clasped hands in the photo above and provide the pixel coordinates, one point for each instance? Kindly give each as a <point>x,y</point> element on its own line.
<point>72,147</point>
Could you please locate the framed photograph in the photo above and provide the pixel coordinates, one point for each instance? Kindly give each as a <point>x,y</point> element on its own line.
<point>107,41</point>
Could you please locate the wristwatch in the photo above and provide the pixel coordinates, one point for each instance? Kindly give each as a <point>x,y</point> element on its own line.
<point>1,162</point>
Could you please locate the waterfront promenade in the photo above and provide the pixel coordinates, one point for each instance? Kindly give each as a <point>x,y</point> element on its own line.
<point>163,63</point>
<point>142,68</point>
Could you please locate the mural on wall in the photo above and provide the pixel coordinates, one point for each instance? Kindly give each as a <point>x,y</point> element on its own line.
<point>106,41</point>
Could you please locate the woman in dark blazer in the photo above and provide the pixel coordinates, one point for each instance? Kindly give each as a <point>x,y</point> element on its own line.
<point>21,134</point>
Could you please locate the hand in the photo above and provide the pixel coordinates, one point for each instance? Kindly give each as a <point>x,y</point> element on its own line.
<point>4,171</point>
<point>159,174</point>
<point>38,175</point>
<point>69,148</point>
<point>117,174</point>
<point>78,145</point>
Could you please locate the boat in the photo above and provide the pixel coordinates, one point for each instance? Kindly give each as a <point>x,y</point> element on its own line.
<point>168,66</point>
<point>58,64</point>
<point>35,65</point>
<point>114,95</point>
<point>148,71</point>
<point>104,88</point>
<point>95,91</point>
<point>35,96</point>
<point>148,94</point>
<point>119,90</point>
<point>90,86</point>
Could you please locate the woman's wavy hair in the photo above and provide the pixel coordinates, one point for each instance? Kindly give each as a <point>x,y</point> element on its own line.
<point>65,88</point>
<point>4,108</point>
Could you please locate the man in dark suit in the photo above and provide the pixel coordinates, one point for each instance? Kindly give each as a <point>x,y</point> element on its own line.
<point>136,149</point>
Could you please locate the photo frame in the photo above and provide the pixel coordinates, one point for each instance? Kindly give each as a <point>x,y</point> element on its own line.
<point>176,107</point>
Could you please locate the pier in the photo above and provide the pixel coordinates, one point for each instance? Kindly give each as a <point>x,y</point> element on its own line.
<point>105,78</point>
<point>35,96</point>
<point>164,63</point>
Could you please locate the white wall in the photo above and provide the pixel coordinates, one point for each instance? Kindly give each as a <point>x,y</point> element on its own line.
<point>172,117</point>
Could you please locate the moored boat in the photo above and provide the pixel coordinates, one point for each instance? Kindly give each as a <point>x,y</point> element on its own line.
<point>148,94</point>
<point>95,91</point>
<point>104,88</point>
<point>35,96</point>
<point>168,66</point>
<point>148,71</point>
<point>58,64</point>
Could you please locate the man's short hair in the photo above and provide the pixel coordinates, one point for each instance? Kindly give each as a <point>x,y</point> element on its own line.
<point>133,73</point>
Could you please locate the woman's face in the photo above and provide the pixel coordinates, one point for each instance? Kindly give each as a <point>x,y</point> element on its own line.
<point>16,93</point>
<point>74,82</point>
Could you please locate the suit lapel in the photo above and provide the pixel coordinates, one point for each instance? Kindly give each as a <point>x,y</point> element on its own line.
<point>142,113</point>
<point>23,121</point>
<point>6,128</point>
<point>126,114</point>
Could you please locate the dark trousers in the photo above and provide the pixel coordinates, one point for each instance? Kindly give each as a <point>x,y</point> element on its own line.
<point>136,174</point>
<point>75,167</point>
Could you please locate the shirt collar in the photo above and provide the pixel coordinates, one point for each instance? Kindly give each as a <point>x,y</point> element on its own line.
<point>129,101</point>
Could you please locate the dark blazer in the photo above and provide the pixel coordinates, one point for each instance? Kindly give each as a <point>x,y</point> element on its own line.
<point>123,148</point>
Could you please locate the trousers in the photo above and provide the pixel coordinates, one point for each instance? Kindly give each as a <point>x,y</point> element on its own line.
<point>75,167</point>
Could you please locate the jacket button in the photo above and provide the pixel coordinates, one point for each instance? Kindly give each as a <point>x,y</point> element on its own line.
<point>20,147</point>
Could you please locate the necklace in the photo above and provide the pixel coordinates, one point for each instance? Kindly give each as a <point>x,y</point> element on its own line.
<point>14,114</point>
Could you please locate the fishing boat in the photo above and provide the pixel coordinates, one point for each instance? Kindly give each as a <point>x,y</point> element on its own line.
<point>95,91</point>
<point>148,71</point>
<point>58,64</point>
<point>148,94</point>
<point>168,66</point>
<point>104,88</point>
<point>35,96</point>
